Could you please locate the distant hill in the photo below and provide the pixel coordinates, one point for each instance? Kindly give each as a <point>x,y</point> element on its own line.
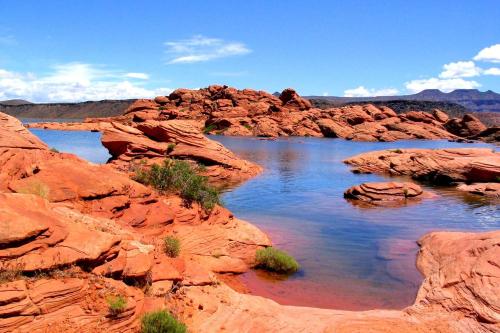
<point>15,102</point>
<point>105,108</point>
<point>472,99</point>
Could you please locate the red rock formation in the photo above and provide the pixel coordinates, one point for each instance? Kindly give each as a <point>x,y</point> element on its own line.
<point>385,193</point>
<point>97,227</point>
<point>66,212</point>
<point>228,111</point>
<point>152,141</point>
<point>484,189</point>
<point>438,165</point>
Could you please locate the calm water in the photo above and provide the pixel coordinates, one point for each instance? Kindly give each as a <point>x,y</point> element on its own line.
<point>351,257</point>
<point>84,144</point>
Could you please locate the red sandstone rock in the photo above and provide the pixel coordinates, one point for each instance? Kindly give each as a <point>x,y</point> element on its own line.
<point>439,165</point>
<point>483,189</point>
<point>465,127</point>
<point>228,111</point>
<point>181,139</point>
<point>385,193</point>
<point>14,135</point>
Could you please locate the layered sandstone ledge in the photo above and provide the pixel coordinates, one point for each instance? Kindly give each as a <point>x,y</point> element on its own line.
<point>227,111</point>
<point>386,194</point>
<point>477,167</point>
<point>152,141</point>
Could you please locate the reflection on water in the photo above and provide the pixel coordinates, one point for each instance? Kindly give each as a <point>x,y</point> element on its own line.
<point>351,257</point>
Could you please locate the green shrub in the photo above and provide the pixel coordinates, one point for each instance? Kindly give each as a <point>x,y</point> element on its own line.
<point>161,322</point>
<point>397,151</point>
<point>171,246</point>
<point>275,260</point>
<point>209,128</point>
<point>248,127</point>
<point>54,150</point>
<point>180,177</point>
<point>171,147</point>
<point>116,304</point>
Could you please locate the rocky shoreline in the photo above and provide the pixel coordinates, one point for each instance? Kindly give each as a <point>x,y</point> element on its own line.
<point>89,231</point>
<point>227,111</point>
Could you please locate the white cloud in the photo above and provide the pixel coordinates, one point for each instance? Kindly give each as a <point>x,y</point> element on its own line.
<point>460,69</point>
<point>364,92</point>
<point>492,71</point>
<point>200,49</point>
<point>72,82</point>
<point>140,76</point>
<point>445,85</point>
<point>489,54</point>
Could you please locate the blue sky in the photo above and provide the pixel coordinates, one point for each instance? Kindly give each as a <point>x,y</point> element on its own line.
<point>89,50</point>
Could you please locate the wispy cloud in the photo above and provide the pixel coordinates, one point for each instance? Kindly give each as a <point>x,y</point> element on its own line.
<point>201,49</point>
<point>365,92</point>
<point>72,82</point>
<point>489,54</point>
<point>140,76</point>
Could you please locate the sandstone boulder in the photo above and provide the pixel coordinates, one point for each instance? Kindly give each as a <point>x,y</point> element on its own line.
<point>383,193</point>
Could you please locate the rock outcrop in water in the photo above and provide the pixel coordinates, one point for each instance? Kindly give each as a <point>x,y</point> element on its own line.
<point>151,141</point>
<point>227,111</point>
<point>385,193</point>
<point>474,166</point>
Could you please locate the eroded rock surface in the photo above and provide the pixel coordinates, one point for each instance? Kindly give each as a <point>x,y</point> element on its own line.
<point>152,141</point>
<point>228,111</point>
<point>437,165</point>
<point>385,193</point>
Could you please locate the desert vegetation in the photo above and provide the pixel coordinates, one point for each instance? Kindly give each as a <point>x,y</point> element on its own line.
<point>171,246</point>
<point>175,176</point>
<point>275,260</point>
<point>161,322</point>
<point>116,304</point>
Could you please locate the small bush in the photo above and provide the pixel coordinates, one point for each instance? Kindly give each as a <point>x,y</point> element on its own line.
<point>248,127</point>
<point>171,147</point>
<point>397,151</point>
<point>209,128</point>
<point>54,150</point>
<point>275,260</point>
<point>162,108</point>
<point>161,322</point>
<point>116,304</point>
<point>171,246</point>
<point>37,188</point>
<point>180,177</point>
